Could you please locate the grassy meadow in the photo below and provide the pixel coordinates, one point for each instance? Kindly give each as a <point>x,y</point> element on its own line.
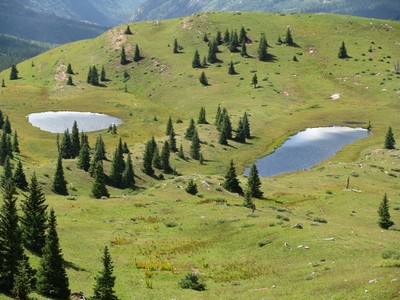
<point>157,232</point>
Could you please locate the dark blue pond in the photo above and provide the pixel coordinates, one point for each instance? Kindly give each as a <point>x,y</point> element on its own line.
<point>307,149</point>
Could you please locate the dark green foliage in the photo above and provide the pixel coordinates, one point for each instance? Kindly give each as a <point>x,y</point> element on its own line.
<point>227,37</point>
<point>19,177</point>
<point>176,46</point>
<point>99,154</point>
<point>34,217</point>
<point>172,141</point>
<point>59,185</point>
<point>52,280</point>
<point>156,162</point>
<point>117,167</point>
<point>5,148</point>
<point>3,83</point>
<point>218,38</point>
<point>204,62</point>
<point>246,125</point>
<point>181,154</point>
<point>223,139</point>
<point>1,120</point>
<point>225,124</point>
<point>169,126</point>
<point>9,146</point>
<point>13,72</point>
<point>66,146</point>
<point>196,60</point>
<point>15,144</point>
<point>75,142</point>
<point>231,70</point>
<point>295,58</point>
<point>123,60</point>
<point>343,51</point>
<point>234,42</point>
<point>195,146</point>
<point>262,49</point>
<point>23,280</point>
<point>165,153</point>
<point>136,55</point>
<point>69,70</point>
<point>243,39</point>
<point>7,126</point>
<point>192,281</point>
<point>84,158</point>
<point>254,183</point>
<point>103,76</point>
<point>202,116</point>
<point>148,158</point>
<point>218,115</point>
<point>203,79</point>
<point>125,148</point>
<point>7,173</point>
<point>279,41</point>
<point>93,76</point>
<point>248,201</point>
<point>128,177</point>
<point>105,280</point>
<point>231,182</point>
<point>11,249</point>
<point>69,80</point>
<point>190,130</point>
<point>289,38</point>
<point>191,188</point>
<point>389,139</point>
<point>128,30</point>
<point>240,132</point>
<point>89,76</point>
<point>205,38</point>
<point>99,188</point>
<point>254,80</point>
<point>384,216</point>
<point>212,52</point>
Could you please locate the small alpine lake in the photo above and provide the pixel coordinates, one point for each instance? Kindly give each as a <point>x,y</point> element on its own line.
<point>307,149</point>
<point>59,121</point>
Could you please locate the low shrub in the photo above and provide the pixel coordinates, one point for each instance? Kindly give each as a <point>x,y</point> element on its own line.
<point>193,282</point>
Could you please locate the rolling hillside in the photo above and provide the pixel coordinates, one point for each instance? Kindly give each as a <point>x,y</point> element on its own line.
<point>157,232</point>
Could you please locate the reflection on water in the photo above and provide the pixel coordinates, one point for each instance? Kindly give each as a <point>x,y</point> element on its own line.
<point>307,149</point>
<point>59,121</point>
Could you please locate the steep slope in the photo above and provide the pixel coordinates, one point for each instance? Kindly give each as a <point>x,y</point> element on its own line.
<point>156,9</point>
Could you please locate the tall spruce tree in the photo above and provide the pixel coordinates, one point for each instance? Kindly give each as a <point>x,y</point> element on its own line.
<point>34,217</point>
<point>123,59</point>
<point>240,132</point>
<point>181,154</point>
<point>218,38</point>
<point>243,39</point>
<point>169,126</point>
<point>165,153</point>
<point>15,144</point>
<point>59,185</point>
<point>226,126</point>
<point>212,52</point>
<point>75,141</point>
<point>384,216</point>
<point>231,69</point>
<point>117,168</point>
<point>69,80</point>
<point>136,55</point>
<point>243,50</point>
<point>1,120</point>
<point>217,115</point>
<point>14,72</point>
<point>289,39</point>
<point>227,37</point>
<point>203,79</point>
<point>196,60</point>
<point>254,183</point>
<point>128,30</point>
<point>7,176</point>
<point>128,177</point>
<point>148,159</point>
<point>195,146</point>
<point>156,161</point>
<point>205,38</point>
<point>202,116</point>
<point>246,125</point>
<point>176,46</point>
<point>23,280</point>
<point>99,188</point>
<point>84,158</point>
<point>254,80</point>
<point>69,70</point>
<point>19,177</point>
<point>11,249</point>
<point>222,139</point>
<point>105,280</point>
<point>7,126</point>
<point>262,48</point>
<point>231,182</point>
<point>190,130</point>
<point>89,76</point>
<point>343,52</point>
<point>52,280</point>
<point>66,146</point>
<point>103,76</point>
<point>94,77</point>
<point>389,139</point>
<point>172,141</point>
<point>3,83</point>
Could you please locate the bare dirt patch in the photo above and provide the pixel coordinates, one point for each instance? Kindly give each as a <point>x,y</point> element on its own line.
<point>61,75</point>
<point>116,38</point>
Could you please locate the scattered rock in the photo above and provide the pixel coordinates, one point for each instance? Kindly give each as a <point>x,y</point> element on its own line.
<point>373,281</point>
<point>335,96</point>
<point>298,226</point>
<point>329,239</point>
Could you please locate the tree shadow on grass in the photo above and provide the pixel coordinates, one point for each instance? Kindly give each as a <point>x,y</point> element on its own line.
<point>71,265</point>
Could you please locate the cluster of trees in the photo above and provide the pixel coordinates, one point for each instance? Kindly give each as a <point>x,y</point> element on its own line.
<point>9,143</point>
<point>136,55</point>
<point>94,77</point>
<point>152,158</point>
<point>192,135</point>
<point>224,126</point>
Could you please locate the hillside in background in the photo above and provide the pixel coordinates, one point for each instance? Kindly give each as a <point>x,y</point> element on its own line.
<point>164,9</point>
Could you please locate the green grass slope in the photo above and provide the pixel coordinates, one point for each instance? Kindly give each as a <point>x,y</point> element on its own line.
<point>157,233</point>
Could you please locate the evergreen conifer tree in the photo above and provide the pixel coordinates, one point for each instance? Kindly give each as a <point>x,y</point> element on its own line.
<point>190,130</point>
<point>231,182</point>
<point>69,70</point>
<point>169,126</point>
<point>203,79</point>
<point>195,146</point>
<point>11,249</point>
<point>202,116</point>
<point>23,279</point>
<point>34,217</point>
<point>196,60</point>
<point>218,115</point>
<point>240,132</point>
<point>343,51</point>
<point>156,162</point>
<point>15,144</point>
<point>218,38</point>
<point>191,187</point>
<point>14,73</point>
<point>227,37</point>
<point>99,154</point>
<point>84,158</point>
<point>181,154</point>
<point>117,168</point>
<point>172,141</point>
<point>384,216</point>
<point>19,177</point>
<point>9,146</point>
<point>128,177</point>
<point>248,201</point>
<point>223,140</point>
<point>69,80</point>
<point>262,49</point>
<point>389,139</point>
<point>89,76</point>
<point>231,70</point>
<point>95,77</point>
<point>66,145</point>
<point>75,141</point>
<point>204,62</point>
<point>254,80</point>
<point>212,52</point>
<point>1,120</point>
<point>243,36</point>
<point>103,76</point>
<point>289,38</point>
<point>7,126</point>
<point>136,54</point>
<point>254,183</point>
<point>123,60</point>
<point>105,280</point>
<point>246,125</point>
<point>148,159</point>
<point>176,46</point>
<point>3,83</point>
<point>205,38</point>
<point>59,185</point>
<point>52,280</point>
<point>128,30</point>
<point>99,188</point>
<point>165,153</point>
<point>226,126</point>
<point>7,173</point>
<point>125,148</point>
